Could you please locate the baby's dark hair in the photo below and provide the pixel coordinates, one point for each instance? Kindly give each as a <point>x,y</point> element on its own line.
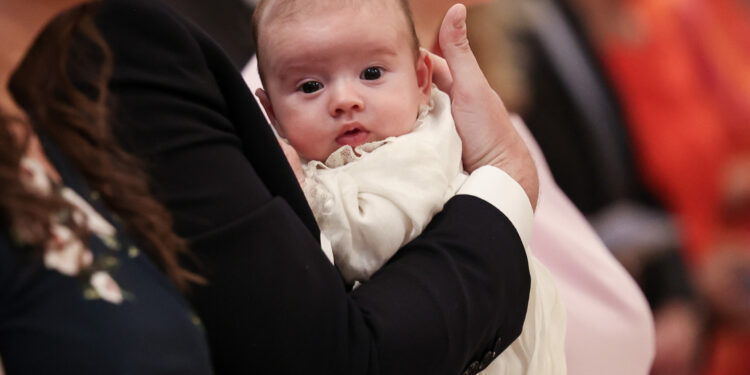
<point>290,8</point>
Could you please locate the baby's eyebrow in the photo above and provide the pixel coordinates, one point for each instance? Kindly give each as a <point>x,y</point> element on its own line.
<point>287,69</point>
<point>296,62</point>
<point>299,62</point>
<point>383,50</point>
<point>296,66</point>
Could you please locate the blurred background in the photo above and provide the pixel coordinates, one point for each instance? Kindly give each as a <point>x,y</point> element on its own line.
<point>642,109</point>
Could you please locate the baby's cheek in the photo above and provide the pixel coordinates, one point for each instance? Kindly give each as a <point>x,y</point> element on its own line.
<point>308,148</point>
<point>297,142</point>
<point>404,122</point>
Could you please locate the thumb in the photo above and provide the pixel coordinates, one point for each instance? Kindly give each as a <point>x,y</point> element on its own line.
<point>456,50</point>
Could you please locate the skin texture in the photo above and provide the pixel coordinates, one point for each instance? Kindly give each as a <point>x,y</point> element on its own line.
<point>327,88</point>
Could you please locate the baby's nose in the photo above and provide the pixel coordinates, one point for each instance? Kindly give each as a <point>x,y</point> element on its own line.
<point>345,99</point>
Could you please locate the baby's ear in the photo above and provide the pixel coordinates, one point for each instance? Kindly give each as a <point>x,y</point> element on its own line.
<point>266,102</point>
<point>424,73</point>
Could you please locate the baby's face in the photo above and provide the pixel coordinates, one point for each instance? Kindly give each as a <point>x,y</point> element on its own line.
<point>344,77</point>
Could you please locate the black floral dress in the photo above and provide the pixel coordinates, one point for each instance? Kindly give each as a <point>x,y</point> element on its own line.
<point>98,309</point>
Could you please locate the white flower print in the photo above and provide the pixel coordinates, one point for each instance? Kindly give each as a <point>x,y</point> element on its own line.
<point>32,174</point>
<point>65,252</point>
<point>94,222</point>
<point>106,287</point>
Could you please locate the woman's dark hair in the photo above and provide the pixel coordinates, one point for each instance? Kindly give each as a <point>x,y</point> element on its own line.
<point>75,117</point>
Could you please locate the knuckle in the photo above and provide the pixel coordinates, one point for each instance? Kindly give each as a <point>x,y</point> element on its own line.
<point>462,44</point>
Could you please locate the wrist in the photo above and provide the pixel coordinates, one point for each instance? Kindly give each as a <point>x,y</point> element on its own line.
<point>515,160</point>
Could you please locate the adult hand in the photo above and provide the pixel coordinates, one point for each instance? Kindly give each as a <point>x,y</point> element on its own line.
<point>481,119</point>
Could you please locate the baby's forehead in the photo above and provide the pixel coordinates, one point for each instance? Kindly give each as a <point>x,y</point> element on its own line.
<point>274,10</point>
<point>279,25</point>
<point>287,13</point>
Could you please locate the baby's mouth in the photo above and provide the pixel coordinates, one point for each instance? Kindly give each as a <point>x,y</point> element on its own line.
<point>353,137</point>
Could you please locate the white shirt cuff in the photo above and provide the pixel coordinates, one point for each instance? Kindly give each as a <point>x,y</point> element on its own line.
<point>496,187</point>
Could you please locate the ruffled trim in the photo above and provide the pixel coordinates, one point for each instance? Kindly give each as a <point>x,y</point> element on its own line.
<point>319,198</point>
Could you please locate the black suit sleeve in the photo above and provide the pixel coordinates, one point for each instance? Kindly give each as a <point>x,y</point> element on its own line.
<point>274,303</point>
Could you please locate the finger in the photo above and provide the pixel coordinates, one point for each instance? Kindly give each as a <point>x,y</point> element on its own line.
<point>286,147</point>
<point>455,46</point>
<point>441,74</point>
<point>281,141</point>
<point>289,152</point>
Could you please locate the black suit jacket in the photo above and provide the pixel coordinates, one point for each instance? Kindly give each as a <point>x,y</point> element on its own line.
<point>274,304</point>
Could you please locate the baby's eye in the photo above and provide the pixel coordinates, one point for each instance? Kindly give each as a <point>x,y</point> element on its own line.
<point>310,87</point>
<point>372,73</point>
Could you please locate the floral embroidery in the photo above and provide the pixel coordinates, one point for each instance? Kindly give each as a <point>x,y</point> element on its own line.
<point>65,252</point>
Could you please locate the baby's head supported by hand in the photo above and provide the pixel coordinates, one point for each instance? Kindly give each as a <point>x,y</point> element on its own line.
<point>339,72</point>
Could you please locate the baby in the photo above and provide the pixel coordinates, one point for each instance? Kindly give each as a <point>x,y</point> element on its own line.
<point>349,88</point>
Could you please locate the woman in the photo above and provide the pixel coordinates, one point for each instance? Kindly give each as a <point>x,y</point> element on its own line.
<point>273,303</point>
<point>86,254</point>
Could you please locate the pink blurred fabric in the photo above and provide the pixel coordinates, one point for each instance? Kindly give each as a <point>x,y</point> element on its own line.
<point>610,327</point>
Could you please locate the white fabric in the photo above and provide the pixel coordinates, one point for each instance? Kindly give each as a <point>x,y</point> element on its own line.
<point>502,191</point>
<point>371,200</point>
<point>539,349</point>
<point>372,204</point>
